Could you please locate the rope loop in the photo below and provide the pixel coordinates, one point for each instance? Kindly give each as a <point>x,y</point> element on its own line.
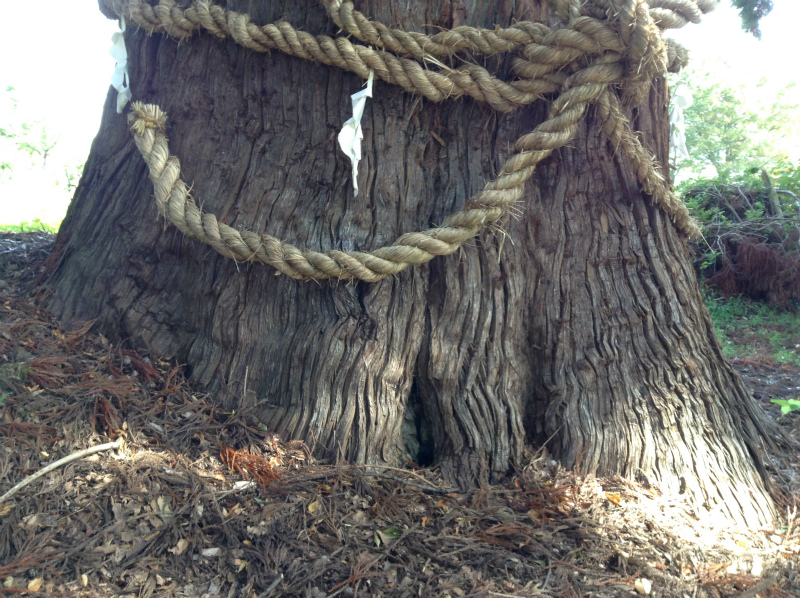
<point>600,46</point>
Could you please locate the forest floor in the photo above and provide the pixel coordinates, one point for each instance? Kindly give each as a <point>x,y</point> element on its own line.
<point>202,502</point>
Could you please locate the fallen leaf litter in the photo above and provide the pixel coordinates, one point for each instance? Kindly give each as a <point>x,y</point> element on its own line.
<point>203,502</point>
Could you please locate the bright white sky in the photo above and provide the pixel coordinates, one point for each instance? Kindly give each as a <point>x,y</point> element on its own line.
<point>61,69</point>
<point>61,72</point>
<point>719,39</point>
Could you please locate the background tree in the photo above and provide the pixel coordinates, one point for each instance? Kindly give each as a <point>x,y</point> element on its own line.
<point>733,129</point>
<point>29,173</point>
<point>578,323</point>
<point>22,139</point>
<point>752,11</point>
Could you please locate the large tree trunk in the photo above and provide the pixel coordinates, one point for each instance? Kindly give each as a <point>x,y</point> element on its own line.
<point>580,323</point>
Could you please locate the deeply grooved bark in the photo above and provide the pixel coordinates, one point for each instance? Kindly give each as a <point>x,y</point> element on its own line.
<point>580,322</point>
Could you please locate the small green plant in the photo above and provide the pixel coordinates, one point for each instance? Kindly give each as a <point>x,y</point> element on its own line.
<point>749,328</point>
<point>756,212</point>
<point>725,312</point>
<point>787,177</point>
<point>787,406</point>
<point>29,227</point>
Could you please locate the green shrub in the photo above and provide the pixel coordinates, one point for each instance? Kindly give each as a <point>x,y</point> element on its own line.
<point>29,227</point>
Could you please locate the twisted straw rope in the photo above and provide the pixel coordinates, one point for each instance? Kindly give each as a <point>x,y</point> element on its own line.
<point>590,48</point>
<point>671,13</point>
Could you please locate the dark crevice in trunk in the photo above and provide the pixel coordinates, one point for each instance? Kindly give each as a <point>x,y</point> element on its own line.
<point>417,436</point>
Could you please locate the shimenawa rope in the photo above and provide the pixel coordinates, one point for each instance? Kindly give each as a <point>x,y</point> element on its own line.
<point>601,45</point>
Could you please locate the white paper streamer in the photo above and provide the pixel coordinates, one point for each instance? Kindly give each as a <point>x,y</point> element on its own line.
<point>681,100</point>
<point>351,135</point>
<point>120,80</point>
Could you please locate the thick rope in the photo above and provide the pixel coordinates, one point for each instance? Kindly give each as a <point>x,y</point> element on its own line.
<point>174,202</point>
<point>589,47</point>
<point>667,14</point>
<point>624,140</point>
<point>436,84</point>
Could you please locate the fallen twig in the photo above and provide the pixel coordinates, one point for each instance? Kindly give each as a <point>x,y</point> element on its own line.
<point>758,588</point>
<point>271,586</point>
<point>118,443</point>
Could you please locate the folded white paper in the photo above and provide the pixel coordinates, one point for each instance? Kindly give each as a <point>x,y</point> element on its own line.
<point>681,100</point>
<point>351,135</point>
<point>120,80</point>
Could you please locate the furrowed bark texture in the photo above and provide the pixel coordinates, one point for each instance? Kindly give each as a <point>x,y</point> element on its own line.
<point>581,320</point>
<point>629,370</point>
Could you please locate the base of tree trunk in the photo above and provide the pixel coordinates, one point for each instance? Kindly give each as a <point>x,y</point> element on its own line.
<point>580,325</point>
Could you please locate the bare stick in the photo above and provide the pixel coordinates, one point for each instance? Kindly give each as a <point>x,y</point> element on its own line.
<point>271,587</point>
<point>56,464</point>
<point>758,588</point>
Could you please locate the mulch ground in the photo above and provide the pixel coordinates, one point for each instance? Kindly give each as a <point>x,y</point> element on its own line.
<point>203,502</point>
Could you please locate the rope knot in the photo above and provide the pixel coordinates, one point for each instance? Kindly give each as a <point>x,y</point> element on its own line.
<point>146,116</point>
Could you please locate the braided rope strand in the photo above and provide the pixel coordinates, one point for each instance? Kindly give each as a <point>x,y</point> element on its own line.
<point>174,202</point>
<point>667,13</point>
<point>581,61</point>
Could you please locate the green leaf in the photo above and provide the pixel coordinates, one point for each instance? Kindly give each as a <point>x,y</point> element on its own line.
<point>392,533</point>
<point>787,406</point>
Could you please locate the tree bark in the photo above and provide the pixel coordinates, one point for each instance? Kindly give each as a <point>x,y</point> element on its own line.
<point>580,324</point>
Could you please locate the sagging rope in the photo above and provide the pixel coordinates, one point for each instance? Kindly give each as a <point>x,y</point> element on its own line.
<point>582,62</point>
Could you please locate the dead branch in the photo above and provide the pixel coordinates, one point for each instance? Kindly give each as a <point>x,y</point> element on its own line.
<point>118,443</point>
